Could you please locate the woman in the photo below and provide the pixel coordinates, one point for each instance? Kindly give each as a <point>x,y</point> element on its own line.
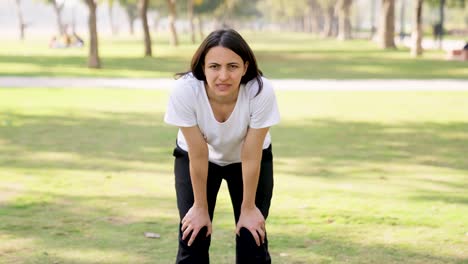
<point>223,108</point>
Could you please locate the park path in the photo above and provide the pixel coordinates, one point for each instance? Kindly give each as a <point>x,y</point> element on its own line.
<point>279,84</point>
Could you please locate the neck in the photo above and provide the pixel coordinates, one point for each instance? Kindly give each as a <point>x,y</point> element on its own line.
<point>230,99</point>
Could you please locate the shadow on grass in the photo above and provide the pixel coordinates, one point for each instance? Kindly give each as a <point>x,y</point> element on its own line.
<point>112,66</point>
<point>143,137</point>
<point>335,143</point>
<point>71,223</point>
<point>104,229</point>
<point>332,149</point>
<point>90,229</point>
<point>334,248</point>
<point>118,137</point>
<point>112,141</point>
<point>356,65</point>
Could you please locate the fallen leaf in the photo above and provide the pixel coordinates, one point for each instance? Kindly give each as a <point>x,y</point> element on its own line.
<point>152,235</point>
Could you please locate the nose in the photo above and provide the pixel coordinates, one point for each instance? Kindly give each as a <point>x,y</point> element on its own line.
<point>223,74</point>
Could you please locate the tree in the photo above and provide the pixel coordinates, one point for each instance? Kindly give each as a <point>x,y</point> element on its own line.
<point>416,36</point>
<point>387,25</point>
<point>204,8</point>
<point>300,14</point>
<point>441,22</point>
<point>19,14</point>
<point>171,4</point>
<point>328,7</point>
<point>372,19</point>
<point>110,6</point>
<point>228,12</point>
<point>402,19</point>
<point>58,7</point>
<point>344,22</point>
<point>316,14</point>
<point>132,12</point>
<point>190,4</point>
<point>441,5</point>
<point>143,5</point>
<point>93,56</point>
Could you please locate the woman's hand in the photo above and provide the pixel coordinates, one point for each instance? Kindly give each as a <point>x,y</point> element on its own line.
<point>252,219</point>
<point>195,219</point>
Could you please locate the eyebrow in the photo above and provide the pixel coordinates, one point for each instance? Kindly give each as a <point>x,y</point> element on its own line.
<point>229,63</point>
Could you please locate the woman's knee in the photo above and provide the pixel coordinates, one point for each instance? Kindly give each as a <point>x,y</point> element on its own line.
<point>201,240</point>
<point>248,252</point>
<point>246,239</point>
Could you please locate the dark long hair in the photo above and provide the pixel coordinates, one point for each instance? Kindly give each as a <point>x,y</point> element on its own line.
<point>231,39</point>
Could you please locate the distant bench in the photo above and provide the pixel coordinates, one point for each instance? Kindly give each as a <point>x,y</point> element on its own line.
<point>458,54</point>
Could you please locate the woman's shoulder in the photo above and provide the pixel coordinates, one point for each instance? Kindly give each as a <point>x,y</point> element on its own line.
<point>253,86</point>
<point>187,84</point>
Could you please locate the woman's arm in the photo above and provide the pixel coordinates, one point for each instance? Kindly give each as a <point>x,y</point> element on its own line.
<point>197,217</point>
<point>251,156</point>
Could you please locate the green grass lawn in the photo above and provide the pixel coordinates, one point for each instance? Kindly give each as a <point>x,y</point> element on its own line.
<point>360,177</point>
<point>280,55</point>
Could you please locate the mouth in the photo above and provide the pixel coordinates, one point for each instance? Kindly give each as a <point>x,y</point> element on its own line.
<point>223,86</point>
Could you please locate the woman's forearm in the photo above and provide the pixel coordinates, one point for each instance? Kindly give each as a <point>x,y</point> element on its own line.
<point>251,156</point>
<point>198,175</point>
<point>250,174</point>
<point>198,158</point>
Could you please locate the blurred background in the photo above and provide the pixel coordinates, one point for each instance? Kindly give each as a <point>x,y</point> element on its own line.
<point>342,19</point>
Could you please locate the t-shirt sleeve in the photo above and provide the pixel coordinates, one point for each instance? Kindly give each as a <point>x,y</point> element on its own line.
<point>180,108</point>
<point>263,107</point>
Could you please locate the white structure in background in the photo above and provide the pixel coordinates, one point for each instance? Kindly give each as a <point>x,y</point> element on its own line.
<point>41,18</point>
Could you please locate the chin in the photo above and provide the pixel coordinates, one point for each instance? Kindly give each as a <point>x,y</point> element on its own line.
<point>224,92</point>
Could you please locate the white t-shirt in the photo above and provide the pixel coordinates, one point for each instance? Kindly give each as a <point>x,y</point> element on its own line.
<point>189,106</point>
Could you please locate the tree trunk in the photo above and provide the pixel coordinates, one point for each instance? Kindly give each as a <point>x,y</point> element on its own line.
<point>300,25</point>
<point>58,12</point>
<point>335,27</point>
<point>131,26</point>
<point>110,6</point>
<point>442,18</point>
<point>93,57</point>
<point>143,5</point>
<point>344,23</point>
<point>190,18</point>
<point>21,24</point>
<point>387,25</point>
<point>402,19</point>
<point>315,15</point>
<point>307,18</point>
<point>416,36</point>
<point>172,17</point>
<point>328,23</point>
<point>131,19</point>
<point>372,19</point>
<point>200,27</point>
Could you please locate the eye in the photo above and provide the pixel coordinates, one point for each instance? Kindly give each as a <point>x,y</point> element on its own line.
<point>213,66</point>
<point>233,66</point>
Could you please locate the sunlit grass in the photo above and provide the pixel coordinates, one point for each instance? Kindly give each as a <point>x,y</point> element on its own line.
<point>360,177</point>
<point>280,55</point>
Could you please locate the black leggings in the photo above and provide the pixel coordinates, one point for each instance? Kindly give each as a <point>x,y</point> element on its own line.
<point>247,250</point>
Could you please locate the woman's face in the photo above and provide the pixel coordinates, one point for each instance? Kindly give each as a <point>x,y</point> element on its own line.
<point>223,69</point>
